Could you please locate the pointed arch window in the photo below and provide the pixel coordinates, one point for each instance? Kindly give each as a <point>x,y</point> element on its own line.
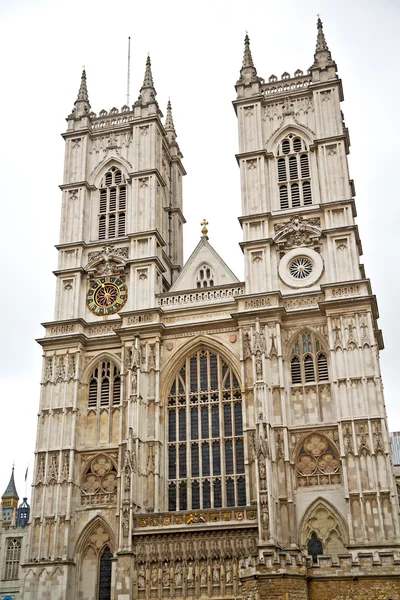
<point>112,205</point>
<point>205,436</point>
<point>308,363</point>
<point>104,386</point>
<point>105,574</point>
<point>293,173</point>
<point>12,558</point>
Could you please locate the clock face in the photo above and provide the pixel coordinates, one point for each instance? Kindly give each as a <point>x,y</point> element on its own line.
<point>106,296</point>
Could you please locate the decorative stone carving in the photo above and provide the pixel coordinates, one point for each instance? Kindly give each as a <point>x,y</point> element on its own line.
<point>348,441</point>
<point>150,459</point>
<point>378,439</point>
<point>52,469</point>
<point>298,232</point>
<point>322,520</point>
<point>317,462</point>
<point>363,446</point>
<point>71,367</point>
<point>178,575</point>
<point>65,467</point>
<point>141,577</point>
<point>130,460</point>
<point>125,522</point>
<point>48,370</point>
<point>351,339</point>
<point>166,575</point>
<point>59,374</point>
<point>41,469</point>
<point>108,261</point>
<point>99,482</point>
<point>246,345</point>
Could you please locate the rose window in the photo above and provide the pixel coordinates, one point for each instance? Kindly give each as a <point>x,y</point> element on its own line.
<point>99,483</point>
<point>300,267</point>
<point>317,462</point>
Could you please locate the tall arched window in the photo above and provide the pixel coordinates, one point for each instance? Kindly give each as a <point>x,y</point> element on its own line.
<point>308,362</point>
<point>293,173</point>
<point>205,436</point>
<point>104,386</point>
<point>105,575</point>
<point>112,205</point>
<point>13,556</point>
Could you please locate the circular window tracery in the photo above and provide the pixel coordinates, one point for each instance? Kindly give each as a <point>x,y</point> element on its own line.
<point>99,484</point>
<point>317,462</point>
<point>301,267</point>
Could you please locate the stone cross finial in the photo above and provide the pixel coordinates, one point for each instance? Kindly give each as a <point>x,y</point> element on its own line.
<point>204,229</point>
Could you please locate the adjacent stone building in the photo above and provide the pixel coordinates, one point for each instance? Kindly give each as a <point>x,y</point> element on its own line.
<point>13,536</point>
<point>200,436</point>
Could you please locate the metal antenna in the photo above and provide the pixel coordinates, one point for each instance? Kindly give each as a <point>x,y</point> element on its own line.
<point>129,70</point>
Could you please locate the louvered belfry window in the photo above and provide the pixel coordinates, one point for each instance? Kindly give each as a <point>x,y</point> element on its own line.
<point>205,436</point>
<point>293,173</point>
<point>112,205</point>
<point>104,386</point>
<point>308,362</point>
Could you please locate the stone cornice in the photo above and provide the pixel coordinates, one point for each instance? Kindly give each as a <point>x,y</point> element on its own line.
<point>77,184</point>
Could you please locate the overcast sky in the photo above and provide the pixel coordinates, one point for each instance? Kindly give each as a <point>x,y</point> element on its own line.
<point>196,51</point>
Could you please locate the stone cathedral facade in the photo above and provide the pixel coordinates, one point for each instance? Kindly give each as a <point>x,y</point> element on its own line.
<point>198,436</point>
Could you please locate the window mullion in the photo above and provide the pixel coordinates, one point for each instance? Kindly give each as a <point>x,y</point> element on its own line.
<point>221,434</point>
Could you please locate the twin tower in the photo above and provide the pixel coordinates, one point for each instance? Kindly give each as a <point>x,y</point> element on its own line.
<point>200,436</point>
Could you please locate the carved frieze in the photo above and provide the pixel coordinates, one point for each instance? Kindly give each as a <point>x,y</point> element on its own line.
<point>298,232</point>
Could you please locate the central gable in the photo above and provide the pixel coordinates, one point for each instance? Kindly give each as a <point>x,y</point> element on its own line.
<point>204,268</point>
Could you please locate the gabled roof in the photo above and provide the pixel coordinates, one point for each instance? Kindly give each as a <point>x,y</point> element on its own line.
<point>11,491</point>
<point>203,254</point>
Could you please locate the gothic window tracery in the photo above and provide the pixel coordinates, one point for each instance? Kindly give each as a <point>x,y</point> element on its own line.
<point>112,205</point>
<point>308,360</point>
<point>99,482</point>
<point>104,386</point>
<point>293,173</point>
<point>204,277</point>
<point>205,436</point>
<point>13,556</point>
<point>317,462</point>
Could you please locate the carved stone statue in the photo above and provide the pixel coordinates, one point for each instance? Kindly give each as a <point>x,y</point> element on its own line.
<point>141,577</point>
<point>203,575</point>
<point>178,575</point>
<point>165,575</point>
<point>229,573</point>
<point>216,573</point>
<point>190,574</point>
<point>154,576</point>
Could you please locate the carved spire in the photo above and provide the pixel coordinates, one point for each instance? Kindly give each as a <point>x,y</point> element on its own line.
<point>247,57</point>
<point>148,76</point>
<point>82,104</point>
<point>322,56</point>
<point>83,93</point>
<point>321,41</point>
<point>169,124</point>
<point>248,72</point>
<point>147,91</point>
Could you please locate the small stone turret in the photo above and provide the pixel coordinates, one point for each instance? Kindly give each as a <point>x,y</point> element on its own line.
<point>10,502</point>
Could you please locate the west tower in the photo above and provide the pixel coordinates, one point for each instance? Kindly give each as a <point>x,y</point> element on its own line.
<point>200,436</point>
